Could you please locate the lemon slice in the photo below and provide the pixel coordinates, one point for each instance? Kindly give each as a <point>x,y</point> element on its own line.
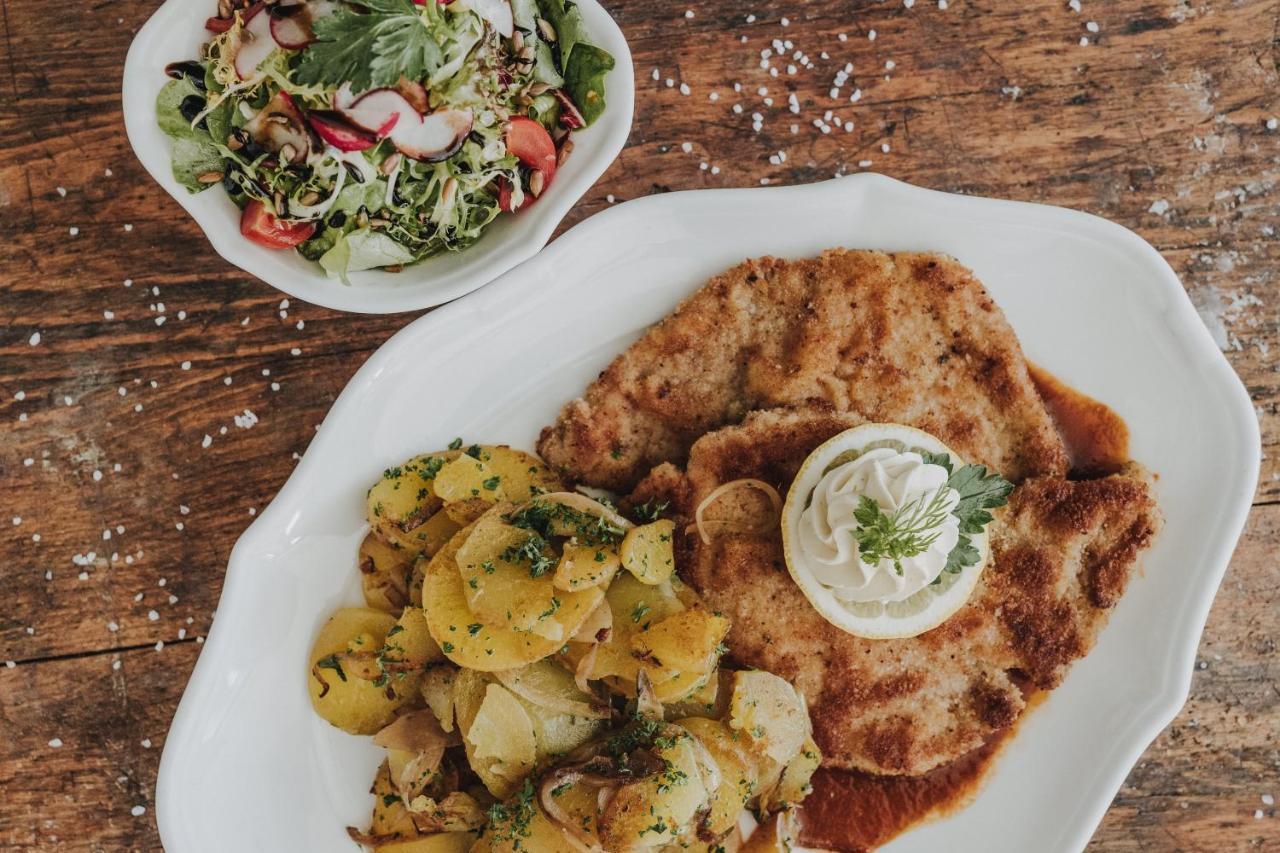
<point>874,620</point>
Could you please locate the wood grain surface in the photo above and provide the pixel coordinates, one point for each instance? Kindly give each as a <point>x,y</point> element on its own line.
<point>128,348</point>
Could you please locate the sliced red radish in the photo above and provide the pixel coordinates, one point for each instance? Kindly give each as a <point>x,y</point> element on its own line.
<point>504,195</point>
<point>532,145</point>
<point>330,126</point>
<point>497,13</point>
<point>218,25</point>
<point>376,111</point>
<point>433,137</point>
<point>263,227</point>
<point>256,42</point>
<point>291,22</point>
<point>570,116</point>
<point>280,127</point>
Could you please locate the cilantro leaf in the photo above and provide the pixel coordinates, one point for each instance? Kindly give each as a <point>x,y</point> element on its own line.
<point>368,50</point>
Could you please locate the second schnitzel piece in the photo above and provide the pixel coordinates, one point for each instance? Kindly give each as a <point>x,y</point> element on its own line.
<point>1062,554</point>
<point>907,338</point>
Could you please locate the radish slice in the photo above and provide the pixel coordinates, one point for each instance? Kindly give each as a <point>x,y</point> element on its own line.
<point>330,126</point>
<point>291,23</point>
<point>496,12</point>
<point>377,111</point>
<point>435,137</point>
<point>256,42</point>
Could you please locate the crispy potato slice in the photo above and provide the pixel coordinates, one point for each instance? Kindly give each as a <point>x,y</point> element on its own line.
<point>403,497</point>
<point>384,574</point>
<point>651,812</point>
<point>428,537</point>
<point>462,637</point>
<point>390,817</point>
<point>500,741</point>
<point>466,477</point>
<point>688,641</point>
<point>770,712</point>
<point>521,827</point>
<point>647,553</point>
<point>523,475</point>
<point>793,786</point>
<point>584,566</point>
<point>409,646</point>
<point>737,771</point>
<point>778,834</point>
<point>354,704</point>
<point>710,700</point>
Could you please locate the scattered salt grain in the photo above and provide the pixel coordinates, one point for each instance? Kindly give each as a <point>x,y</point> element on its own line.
<point>56,743</point>
<point>1272,123</point>
<point>97,475</point>
<point>34,340</point>
<point>62,191</point>
<point>1091,26</point>
<point>138,811</point>
<point>74,231</point>
<point>1159,207</point>
<point>686,147</point>
<point>1268,800</point>
<point>684,89</point>
<point>206,441</point>
<point>871,36</point>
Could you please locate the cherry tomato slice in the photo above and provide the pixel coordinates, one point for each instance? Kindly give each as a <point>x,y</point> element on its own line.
<point>532,145</point>
<point>263,227</point>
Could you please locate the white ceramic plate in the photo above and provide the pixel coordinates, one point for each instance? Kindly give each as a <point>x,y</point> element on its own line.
<point>249,767</point>
<point>176,31</point>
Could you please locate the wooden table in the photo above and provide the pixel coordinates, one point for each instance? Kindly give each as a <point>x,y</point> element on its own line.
<point>128,348</point>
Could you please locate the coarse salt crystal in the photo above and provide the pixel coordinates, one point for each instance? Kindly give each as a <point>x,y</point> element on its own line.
<point>73,230</point>
<point>1091,26</point>
<point>138,811</point>
<point>34,340</point>
<point>686,147</point>
<point>206,441</point>
<point>56,743</point>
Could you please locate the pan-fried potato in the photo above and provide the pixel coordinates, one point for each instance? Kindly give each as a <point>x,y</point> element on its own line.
<point>348,701</point>
<point>404,497</point>
<point>521,827</point>
<point>688,641</point>
<point>384,574</point>
<point>585,566</point>
<point>563,716</point>
<point>651,812</point>
<point>443,842</point>
<point>711,700</point>
<point>770,712</point>
<point>647,552</point>
<point>507,581</point>
<point>466,477</point>
<point>793,786</point>
<point>523,475</point>
<point>409,645</point>
<point>776,834</point>
<point>428,537</point>
<point>390,817</point>
<point>463,638</point>
<point>737,771</point>
<point>500,741</point>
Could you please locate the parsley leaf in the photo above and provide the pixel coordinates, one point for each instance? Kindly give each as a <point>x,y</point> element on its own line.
<point>979,491</point>
<point>368,50</point>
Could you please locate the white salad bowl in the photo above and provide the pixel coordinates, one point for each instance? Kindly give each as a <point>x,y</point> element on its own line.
<point>248,766</point>
<point>176,32</point>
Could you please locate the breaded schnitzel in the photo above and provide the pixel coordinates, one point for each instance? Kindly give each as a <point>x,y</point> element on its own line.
<point>1062,553</point>
<point>905,338</point>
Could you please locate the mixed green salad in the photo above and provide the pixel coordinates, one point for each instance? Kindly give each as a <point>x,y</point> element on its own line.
<point>378,133</point>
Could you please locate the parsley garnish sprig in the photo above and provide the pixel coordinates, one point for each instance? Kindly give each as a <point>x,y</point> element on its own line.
<point>906,532</point>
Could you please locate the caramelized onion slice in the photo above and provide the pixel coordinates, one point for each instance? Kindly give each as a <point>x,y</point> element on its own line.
<point>523,687</point>
<point>720,491</point>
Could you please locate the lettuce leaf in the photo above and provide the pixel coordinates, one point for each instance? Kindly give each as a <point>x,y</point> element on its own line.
<point>194,152</point>
<point>363,249</point>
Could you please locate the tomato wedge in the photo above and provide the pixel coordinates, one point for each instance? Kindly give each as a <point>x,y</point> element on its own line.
<point>532,145</point>
<point>266,229</point>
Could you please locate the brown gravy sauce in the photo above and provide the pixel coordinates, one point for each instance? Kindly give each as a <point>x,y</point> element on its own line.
<point>855,812</point>
<point>1097,439</point>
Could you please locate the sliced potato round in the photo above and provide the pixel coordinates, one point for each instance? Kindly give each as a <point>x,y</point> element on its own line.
<point>651,812</point>
<point>350,702</point>
<point>466,477</point>
<point>390,817</point>
<point>688,641</point>
<point>793,786</point>
<point>500,741</point>
<point>403,497</point>
<point>584,566</point>
<point>769,711</point>
<point>462,637</point>
<point>523,475</point>
<point>437,690</point>
<point>428,537</point>
<point>442,842</point>
<point>647,551</point>
<point>737,771</point>
<point>521,827</point>
<point>409,645</point>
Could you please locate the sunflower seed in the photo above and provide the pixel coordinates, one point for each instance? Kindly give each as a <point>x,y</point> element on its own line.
<point>379,222</point>
<point>210,177</point>
<point>537,183</point>
<point>545,30</point>
<point>389,165</point>
<point>517,41</point>
<point>310,197</point>
<point>565,150</point>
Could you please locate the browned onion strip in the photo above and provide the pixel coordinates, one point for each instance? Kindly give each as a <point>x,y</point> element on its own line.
<point>579,839</point>
<point>586,505</point>
<point>601,619</point>
<point>582,673</point>
<point>769,491</point>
